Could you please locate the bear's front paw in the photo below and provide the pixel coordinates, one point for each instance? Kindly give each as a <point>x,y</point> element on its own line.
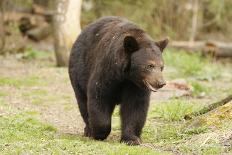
<point>131,140</point>
<point>87,132</point>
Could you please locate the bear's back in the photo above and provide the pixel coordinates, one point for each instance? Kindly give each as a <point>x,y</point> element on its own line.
<point>101,32</point>
<point>95,42</point>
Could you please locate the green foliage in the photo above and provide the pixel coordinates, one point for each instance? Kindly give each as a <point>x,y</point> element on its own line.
<point>216,15</point>
<point>153,17</point>
<point>167,18</point>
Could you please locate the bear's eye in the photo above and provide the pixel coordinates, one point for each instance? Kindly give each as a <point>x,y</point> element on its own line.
<point>150,67</point>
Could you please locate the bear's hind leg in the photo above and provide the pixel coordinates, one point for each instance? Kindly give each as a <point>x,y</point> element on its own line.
<point>82,104</point>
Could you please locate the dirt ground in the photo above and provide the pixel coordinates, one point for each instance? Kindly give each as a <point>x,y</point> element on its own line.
<point>61,110</point>
<point>57,104</point>
<point>38,86</point>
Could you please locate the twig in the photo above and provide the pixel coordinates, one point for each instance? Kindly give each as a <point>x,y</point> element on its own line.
<point>205,141</point>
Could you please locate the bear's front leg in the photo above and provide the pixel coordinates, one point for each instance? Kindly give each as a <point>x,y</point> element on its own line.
<point>100,110</point>
<point>133,113</point>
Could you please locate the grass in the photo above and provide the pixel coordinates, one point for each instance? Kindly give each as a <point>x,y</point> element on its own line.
<point>199,89</point>
<point>24,134</point>
<point>173,110</point>
<point>166,124</point>
<point>2,103</point>
<point>37,96</point>
<point>2,94</point>
<point>178,136</point>
<point>20,82</point>
<point>166,128</point>
<point>213,149</point>
<point>190,65</point>
<point>31,54</point>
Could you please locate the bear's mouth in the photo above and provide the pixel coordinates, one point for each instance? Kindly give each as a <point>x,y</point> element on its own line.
<point>149,86</point>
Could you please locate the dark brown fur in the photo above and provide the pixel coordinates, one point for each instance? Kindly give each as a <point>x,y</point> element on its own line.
<point>112,62</point>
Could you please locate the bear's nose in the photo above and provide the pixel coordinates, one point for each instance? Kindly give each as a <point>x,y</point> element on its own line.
<point>161,84</point>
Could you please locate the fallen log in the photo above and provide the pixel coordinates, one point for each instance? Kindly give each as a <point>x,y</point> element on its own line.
<point>208,48</point>
<point>188,46</point>
<point>217,49</point>
<point>209,108</point>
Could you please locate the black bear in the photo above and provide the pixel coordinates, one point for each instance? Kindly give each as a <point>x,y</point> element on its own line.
<point>113,62</point>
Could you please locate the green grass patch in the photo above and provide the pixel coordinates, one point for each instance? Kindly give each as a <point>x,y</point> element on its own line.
<point>173,110</point>
<point>2,94</point>
<point>31,54</point>
<point>25,134</point>
<point>23,127</point>
<point>36,92</point>
<point>39,97</point>
<point>5,108</point>
<point>19,82</point>
<point>190,64</point>
<point>212,149</point>
<point>169,133</point>
<point>195,130</point>
<point>2,103</point>
<point>199,89</point>
<point>161,133</point>
<point>166,128</point>
<point>187,64</point>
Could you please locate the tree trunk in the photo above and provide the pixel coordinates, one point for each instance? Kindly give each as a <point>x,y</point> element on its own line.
<point>2,32</point>
<point>66,25</point>
<point>194,22</point>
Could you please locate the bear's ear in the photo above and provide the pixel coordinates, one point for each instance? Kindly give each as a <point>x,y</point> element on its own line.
<point>162,44</point>
<point>130,44</point>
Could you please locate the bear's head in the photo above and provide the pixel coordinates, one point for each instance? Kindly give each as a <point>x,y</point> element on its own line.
<point>145,62</point>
